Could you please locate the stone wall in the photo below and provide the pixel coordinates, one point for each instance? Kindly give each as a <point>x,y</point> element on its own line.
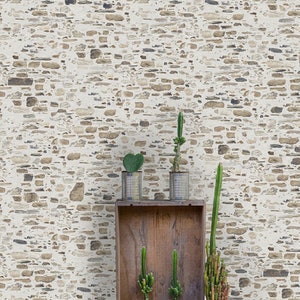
<point>84,82</point>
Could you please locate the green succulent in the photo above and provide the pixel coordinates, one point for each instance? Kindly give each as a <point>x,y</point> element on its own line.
<point>178,141</point>
<point>145,280</point>
<point>132,163</point>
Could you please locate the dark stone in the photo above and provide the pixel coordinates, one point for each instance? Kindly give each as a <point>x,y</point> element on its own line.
<point>275,146</point>
<point>286,293</point>
<point>95,245</point>
<point>240,79</point>
<point>107,5</point>
<point>233,101</point>
<point>144,123</point>
<point>159,196</point>
<point>235,293</point>
<point>222,149</point>
<point>107,197</point>
<point>240,271</point>
<point>243,282</point>
<point>148,50</point>
<point>28,177</point>
<point>20,81</point>
<point>70,2</point>
<point>276,109</point>
<point>95,53</point>
<point>275,50</point>
<point>83,289</point>
<point>212,2</point>
<point>275,273</point>
<point>296,161</point>
<point>21,242</point>
<point>31,101</point>
<point>112,175</point>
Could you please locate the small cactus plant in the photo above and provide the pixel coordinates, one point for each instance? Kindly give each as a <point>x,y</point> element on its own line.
<point>145,280</point>
<point>215,274</point>
<point>178,141</point>
<point>175,290</point>
<point>132,163</point>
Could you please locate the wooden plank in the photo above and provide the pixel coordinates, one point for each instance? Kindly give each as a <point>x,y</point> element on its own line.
<point>160,226</point>
<point>161,203</point>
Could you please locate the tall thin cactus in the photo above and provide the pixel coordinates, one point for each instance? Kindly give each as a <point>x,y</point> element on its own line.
<point>175,290</point>
<point>145,280</point>
<point>215,275</point>
<point>178,141</point>
<point>216,205</point>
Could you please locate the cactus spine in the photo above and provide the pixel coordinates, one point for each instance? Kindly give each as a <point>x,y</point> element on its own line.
<point>215,274</point>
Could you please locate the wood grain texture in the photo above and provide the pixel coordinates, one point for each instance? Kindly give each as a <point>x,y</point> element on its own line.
<point>160,226</point>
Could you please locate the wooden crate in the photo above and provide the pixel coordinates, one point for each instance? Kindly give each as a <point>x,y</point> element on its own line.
<point>160,226</point>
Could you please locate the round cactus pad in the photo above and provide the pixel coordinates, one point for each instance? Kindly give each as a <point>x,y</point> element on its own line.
<point>133,163</point>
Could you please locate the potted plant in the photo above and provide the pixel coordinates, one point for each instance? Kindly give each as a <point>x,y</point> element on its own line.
<point>132,177</point>
<point>216,286</point>
<point>178,180</point>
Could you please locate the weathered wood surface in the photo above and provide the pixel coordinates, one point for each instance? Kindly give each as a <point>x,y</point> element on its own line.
<point>160,226</point>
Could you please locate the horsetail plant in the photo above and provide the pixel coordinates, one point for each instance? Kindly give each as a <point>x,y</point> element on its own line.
<point>145,280</point>
<point>175,290</point>
<point>178,141</point>
<point>215,275</point>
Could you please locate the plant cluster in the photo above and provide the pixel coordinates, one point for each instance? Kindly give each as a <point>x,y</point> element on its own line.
<point>216,286</point>
<point>175,290</point>
<point>132,163</point>
<point>145,280</point>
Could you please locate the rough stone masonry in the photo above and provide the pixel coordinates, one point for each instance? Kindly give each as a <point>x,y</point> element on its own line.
<point>85,82</point>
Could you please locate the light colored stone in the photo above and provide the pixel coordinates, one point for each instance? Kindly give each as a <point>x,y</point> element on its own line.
<point>77,192</point>
<point>83,83</point>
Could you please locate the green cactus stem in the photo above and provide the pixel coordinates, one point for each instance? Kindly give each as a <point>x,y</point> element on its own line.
<point>216,204</point>
<point>145,280</point>
<point>215,277</point>
<point>175,290</point>
<point>132,163</point>
<point>215,274</point>
<point>178,141</point>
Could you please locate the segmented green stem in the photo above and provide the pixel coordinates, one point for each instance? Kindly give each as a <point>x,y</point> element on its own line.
<point>215,274</point>
<point>145,281</point>
<point>174,266</point>
<point>178,141</point>
<point>143,260</point>
<point>175,290</point>
<point>216,204</point>
<point>180,124</point>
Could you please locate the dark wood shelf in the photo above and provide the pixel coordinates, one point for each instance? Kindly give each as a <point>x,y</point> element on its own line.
<point>160,226</point>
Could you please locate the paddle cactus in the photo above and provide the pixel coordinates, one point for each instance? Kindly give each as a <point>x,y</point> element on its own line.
<point>132,163</point>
